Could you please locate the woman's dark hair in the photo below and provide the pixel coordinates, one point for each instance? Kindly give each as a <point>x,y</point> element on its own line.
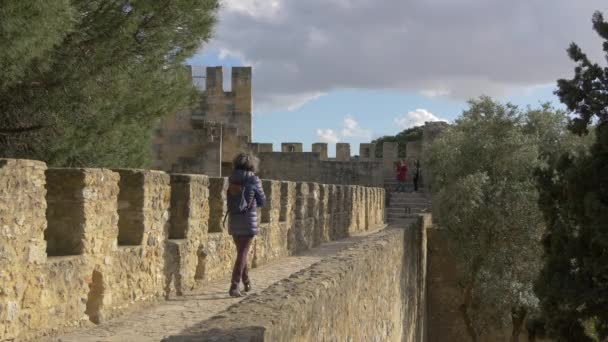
<point>246,161</point>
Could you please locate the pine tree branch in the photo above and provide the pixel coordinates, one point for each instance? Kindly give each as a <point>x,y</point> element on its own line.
<point>17,130</point>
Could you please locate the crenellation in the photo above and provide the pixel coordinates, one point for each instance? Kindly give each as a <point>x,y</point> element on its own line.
<point>321,149</point>
<point>203,139</point>
<point>390,154</point>
<point>214,79</point>
<point>271,210</point>
<point>217,204</point>
<point>64,233</point>
<point>185,261</point>
<point>260,147</point>
<point>367,152</point>
<point>172,238</point>
<point>288,147</point>
<point>323,221</point>
<point>342,152</point>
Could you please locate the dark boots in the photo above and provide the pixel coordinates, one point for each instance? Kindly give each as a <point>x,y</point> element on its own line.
<point>235,292</point>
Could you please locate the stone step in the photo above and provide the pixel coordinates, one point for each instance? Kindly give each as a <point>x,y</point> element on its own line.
<point>409,198</point>
<point>393,206</point>
<point>413,211</point>
<point>405,209</point>
<point>408,203</point>
<point>407,193</point>
<point>402,221</point>
<point>404,215</point>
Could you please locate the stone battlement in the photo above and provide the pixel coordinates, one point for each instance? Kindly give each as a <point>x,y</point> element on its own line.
<point>367,151</point>
<point>82,245</point>
<point>203,139</point>
<point>365,169</point>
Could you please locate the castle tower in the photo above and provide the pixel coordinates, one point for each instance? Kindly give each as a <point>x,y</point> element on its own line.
<point>205,138</point>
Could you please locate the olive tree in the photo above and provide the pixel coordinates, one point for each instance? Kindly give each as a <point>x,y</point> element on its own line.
<point>485,198</point>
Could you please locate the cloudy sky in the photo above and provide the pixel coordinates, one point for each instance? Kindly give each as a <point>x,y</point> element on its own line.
<point>353,70</point>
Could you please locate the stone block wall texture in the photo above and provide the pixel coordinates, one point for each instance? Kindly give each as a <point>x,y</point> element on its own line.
<point>310,167</point>
<point>342,151</point>
<point>321,149</point>
<point>204,139</point>
<point>79,246</point>
<point>445,295</point>
<point>367,152</point>
<point>372,291</point>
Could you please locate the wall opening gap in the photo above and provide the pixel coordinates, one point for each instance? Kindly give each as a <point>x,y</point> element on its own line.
<point>284,201</point>
<point>64,233</point>
<point>180,207</point>
<point>130,208</point>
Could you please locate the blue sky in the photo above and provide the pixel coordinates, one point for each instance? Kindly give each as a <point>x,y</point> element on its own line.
<point>374,111</point>
<point>353,70</point>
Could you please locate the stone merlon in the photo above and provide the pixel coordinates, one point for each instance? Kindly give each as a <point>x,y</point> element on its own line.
<point>82,245</point>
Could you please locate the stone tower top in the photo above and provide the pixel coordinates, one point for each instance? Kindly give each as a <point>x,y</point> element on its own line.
<point>204,139</point>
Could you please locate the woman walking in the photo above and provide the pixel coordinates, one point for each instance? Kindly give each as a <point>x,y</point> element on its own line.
<point>245,195</point>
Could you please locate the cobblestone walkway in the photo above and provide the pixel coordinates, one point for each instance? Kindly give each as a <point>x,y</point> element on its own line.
<point>173,316</point>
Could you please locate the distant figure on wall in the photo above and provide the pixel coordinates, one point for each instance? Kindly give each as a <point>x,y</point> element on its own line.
<point>245,194</point>
<point>416,175</point>
<point>401,175</point>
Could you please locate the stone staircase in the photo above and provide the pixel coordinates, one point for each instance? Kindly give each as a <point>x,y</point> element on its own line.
<point>403,206</point>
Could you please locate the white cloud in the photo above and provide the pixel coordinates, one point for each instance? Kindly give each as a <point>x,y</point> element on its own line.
<point>435,92</point>
<point>416,118</point>
<point>254,8</point>
<point>327,136</point>
<point>460,49</point>
<point>352,129</point>
<point>279,101</point>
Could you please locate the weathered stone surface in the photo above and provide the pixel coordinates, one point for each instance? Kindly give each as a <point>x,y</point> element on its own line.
<point>200,139</point>
<point>187,250</point>
<point>331,301</point>
<point>120,238</point>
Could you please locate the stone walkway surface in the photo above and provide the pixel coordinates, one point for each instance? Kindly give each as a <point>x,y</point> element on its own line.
<point>170,317</point>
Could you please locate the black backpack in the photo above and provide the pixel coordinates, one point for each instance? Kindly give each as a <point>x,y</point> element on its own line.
<point>236,201</point>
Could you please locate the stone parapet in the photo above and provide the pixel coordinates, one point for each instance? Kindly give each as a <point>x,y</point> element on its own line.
<point>78,246</point>
<point>372,291</point>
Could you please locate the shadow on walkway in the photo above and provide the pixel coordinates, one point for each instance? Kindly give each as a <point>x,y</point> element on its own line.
<point>201,331</point>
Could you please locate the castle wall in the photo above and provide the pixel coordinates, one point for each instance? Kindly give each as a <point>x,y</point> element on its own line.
<point>390,154</point>
<point>136,236</point>
<point>352,172</point>
<point>367,152</point>
<point>430,132</point>
<point>315,167</point>
<point>321,149</point>
<point>445,295</point>
<point>205,138</point>
<point>342,151</point>
<point>292,166</point>
<point>332,301</point>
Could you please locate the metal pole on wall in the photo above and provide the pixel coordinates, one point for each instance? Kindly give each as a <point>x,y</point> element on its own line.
<point>221,148</point>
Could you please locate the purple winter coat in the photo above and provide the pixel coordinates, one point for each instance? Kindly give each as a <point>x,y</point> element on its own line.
<point>246,224</point>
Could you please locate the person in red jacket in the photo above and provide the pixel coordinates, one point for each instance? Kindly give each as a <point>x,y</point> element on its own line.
<point>401,175</point>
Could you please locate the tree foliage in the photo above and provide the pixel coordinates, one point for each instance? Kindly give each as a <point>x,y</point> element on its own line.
<point>485,197</point>
<point>84,81</point>
<point>573,284</point>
